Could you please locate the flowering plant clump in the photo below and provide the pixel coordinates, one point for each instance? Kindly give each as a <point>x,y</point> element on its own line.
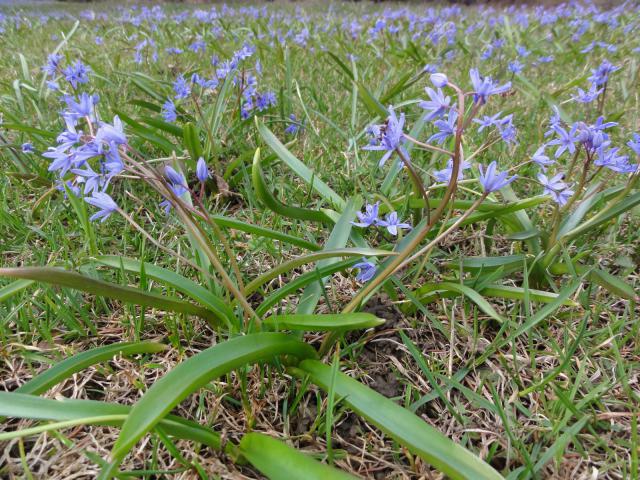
<point>266,194</point>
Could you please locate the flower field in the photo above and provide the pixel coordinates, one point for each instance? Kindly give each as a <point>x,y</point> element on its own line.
<point>320,240</point>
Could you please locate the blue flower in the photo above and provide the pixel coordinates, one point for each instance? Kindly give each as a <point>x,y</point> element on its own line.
<point>446,128</point>
<point>492,180</point>
<point>438,104</point>
<point>444,175</point>
<point>390,137</point>
<point>174,177</point>
<point>76,73</point>
<point>104,202</point>
<point>600,76</point>
<point>112,134</point>
<point>392,223</point>
<point>559,191</point>
<point>541,158</point>
<point>485,87</point>
<point>439,80</point>
<point>27,148</point>
<point>92,181</point>
<point>515,67</point>
<point>169,111</point>
<point>587,97</point>
<point>293,126</point>
<point>181,88</point>
<point>367,270</point>
<point>369,217</point>
<point>565,141</point>
<point>608,157</point>
<point>634,144</point>
<point>202,171</point>
<point>52,65</point>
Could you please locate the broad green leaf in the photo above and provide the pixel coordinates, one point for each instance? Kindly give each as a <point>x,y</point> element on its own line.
<point>302,281</point>
<point>194,373</point>
<point>604,216</point>
<point>279,461</point>
<point>170,278</point>
<point>404,427</point>
<point>191,141</point>
<point>325,322</point>
<point>257,230</point>
<point>20,405</point>
<point>66,368</point>
<point>468,292</point>
<point>309,258</point>
<point>485,264</point>
<point>266,197</point>
<point>615,285</point>
<point>304,172</point>
<point>63,278</point>
<point>337,239</point>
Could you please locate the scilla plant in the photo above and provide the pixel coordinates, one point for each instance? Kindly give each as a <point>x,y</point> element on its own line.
<point>90,156</point>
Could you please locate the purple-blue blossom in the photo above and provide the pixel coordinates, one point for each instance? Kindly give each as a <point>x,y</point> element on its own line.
<point>202,170</point>
<point>104,203</point>
<point>483,87</point>
<point>369,217</point>
<point>559,191</point>
<point>492,180</point>
<point>390,137</point>
<point>392,223</point>
<point>366,270</point>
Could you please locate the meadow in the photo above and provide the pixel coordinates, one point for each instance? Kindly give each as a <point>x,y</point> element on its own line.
<point>319,240</point>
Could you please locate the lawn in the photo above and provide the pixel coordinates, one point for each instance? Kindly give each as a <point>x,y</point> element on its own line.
<point>307,240</point>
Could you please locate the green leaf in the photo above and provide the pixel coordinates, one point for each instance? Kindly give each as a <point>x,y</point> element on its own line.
<point>373,105</point>
<point>191,139</point>
<point>400,424</point>
<point>309,258</point>
<point>323,323</point>
<point>299,168</point>
<point>194,373</point>
<point>14,288</point>
<point>604,216</point>
<point>278,461</point>
<point>266,197</point>
<point>300,282</point>
<point>337,239</point>
<point>21,405</point>
<point>170,278</point>
<point>257,230</point>
<point>468,292</point>
<point>615,285</point>
<point>486,264</point>
<point>64,278</point>
<point>66,368</point>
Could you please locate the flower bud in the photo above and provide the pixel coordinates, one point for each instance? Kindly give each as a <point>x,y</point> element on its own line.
<point>439,80</point>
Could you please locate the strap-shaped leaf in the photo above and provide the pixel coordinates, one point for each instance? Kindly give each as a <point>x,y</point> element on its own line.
<point>304,172</point>
<point>266,197</point>
<point>313,257</point>
<point>14,288</point>
<point>302,281</point>
<point>324,322</point>
<point>194,373</point>
<point>21,405</point>
<point>400,424</point>
<point>338,238</point>
<point>228,222</point>
<point>170,278</point>
<point>279,461</point>
<point>468,292</point>
<point>64,369</point>
<point>65,278</point>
